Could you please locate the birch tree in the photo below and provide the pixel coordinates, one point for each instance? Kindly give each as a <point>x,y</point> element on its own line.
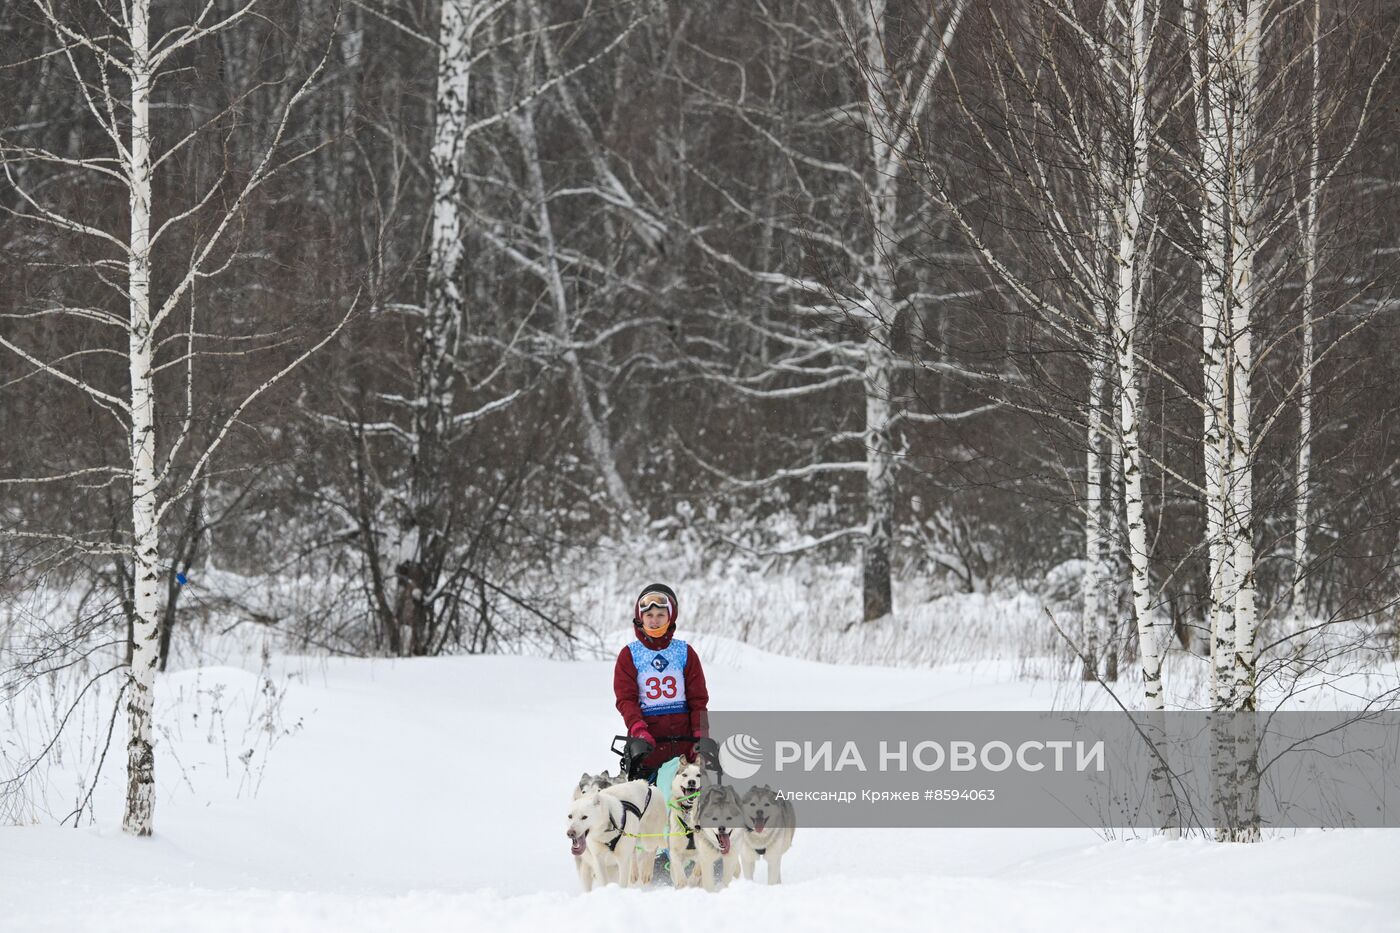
<point>1308,236</point>
<point>1231,240</point>
<point>418,556</point>
<point>892,80</point>
<point>119,70</point>
<point>463,365</point>
<point>406,522</point>
<point>1071,138</point>
<point>1249,62</point>
<point>1085,191</point>
<point>576,275</point>
<point>1132,92</point>
<point>1231,226</point>
<point>1096,576</point>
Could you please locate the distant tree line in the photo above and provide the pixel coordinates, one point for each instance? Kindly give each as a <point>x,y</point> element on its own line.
<point>412,295</point>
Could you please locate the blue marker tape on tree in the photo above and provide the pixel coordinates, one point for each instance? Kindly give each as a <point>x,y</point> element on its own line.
<point>180,578</point>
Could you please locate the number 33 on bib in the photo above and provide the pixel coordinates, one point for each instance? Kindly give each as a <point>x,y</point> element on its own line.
<point>660,677</point>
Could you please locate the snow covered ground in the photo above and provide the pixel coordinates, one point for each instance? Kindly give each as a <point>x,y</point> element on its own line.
<point>430,795</point>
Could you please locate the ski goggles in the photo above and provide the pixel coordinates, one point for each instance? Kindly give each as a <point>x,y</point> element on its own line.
<point>653,601</point>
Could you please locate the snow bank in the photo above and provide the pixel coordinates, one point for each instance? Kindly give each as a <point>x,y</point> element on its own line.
<point>430,795</point>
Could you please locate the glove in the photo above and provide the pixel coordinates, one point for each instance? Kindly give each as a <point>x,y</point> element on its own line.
<point>640,745</point>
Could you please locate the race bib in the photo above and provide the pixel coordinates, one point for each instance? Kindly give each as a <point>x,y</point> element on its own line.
<point>660,677</point>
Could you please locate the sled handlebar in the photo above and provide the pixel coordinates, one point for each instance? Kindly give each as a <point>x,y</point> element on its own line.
<point>660,740</point>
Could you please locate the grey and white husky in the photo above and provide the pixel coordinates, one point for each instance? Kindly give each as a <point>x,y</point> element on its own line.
<point>588,783</point>
<point>690,779</point>
<point>719,832</point>
<point>770,824</point>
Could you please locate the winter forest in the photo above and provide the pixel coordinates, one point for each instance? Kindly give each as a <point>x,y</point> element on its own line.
<point>1055,340</point>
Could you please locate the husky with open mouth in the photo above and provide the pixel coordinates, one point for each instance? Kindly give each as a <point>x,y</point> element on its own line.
<point>719,829</point>
<point>690,779</point>
<point>589,784</point>
<point>608,828</point>
<point>771,825</point>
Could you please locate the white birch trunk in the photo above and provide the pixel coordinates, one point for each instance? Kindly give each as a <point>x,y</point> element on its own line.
<point>446,249</point>
<point>145,655</point>
<point>1245,233</point>
<point>1118,535</point>
<point>1232,230</point>
<point>1213,128</point>
<point>417,535</point>
<point>1091,623</point>
<point>1129,403</point>
<point>879,387</point>
<point>880,482</point>
<point>1303,480</point>
<point>1128,214</point>
<point>1096,574</point>
<point>882,191</point>
<point>1220,552</point>
<point>1246,229</point>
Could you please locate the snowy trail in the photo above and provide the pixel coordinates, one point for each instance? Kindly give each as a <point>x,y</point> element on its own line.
<point>427,795</point>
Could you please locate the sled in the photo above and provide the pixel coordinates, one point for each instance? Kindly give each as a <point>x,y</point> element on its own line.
<point>630,767</point>
<point>661,778</point>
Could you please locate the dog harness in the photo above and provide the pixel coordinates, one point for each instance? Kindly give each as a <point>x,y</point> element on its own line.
<point>660,677</point>
<point>689,830</point>
<point>627,807</point>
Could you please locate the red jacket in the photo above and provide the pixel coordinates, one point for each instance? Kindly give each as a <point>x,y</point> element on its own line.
<point>693,722</point>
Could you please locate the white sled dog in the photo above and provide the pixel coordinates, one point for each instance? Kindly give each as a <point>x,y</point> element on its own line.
<point>719,830</point>
<point>691,778</point>
<point>608,828</point>
<point>770,824</point>
<point>588,784</point>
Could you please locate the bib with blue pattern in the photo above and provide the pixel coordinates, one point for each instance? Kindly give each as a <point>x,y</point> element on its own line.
<point>661,677</point>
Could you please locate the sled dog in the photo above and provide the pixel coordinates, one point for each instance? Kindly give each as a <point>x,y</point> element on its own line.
<point>691,778</point>
<point>770,825</point>
<point>719,830</point>
<point>588,784</point>
<point>609,827</point>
